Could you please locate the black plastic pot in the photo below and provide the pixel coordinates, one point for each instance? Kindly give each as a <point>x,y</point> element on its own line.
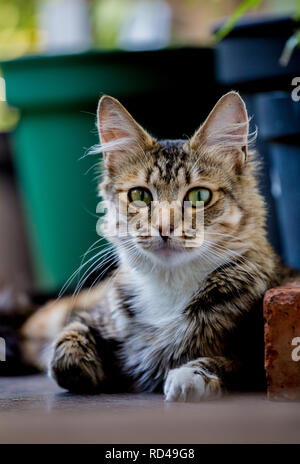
<point>247,60</point>
<point>279,120</point>
<point>249,56</point>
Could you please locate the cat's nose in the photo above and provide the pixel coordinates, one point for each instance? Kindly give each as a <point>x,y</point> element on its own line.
<point>165,234</point>
<point>163,220</point>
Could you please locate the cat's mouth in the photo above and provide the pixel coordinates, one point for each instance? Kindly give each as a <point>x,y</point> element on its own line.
<point>166,250</point>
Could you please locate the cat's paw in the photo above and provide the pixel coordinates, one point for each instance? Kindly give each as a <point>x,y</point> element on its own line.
<point>75,364</point>
<point>191,384</point>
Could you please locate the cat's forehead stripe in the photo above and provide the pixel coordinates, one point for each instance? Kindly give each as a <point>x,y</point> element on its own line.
<point>169,162</point>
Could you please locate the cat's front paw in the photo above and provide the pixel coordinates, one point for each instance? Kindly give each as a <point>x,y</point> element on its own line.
<point>191,384</point>
<point>75,364</point>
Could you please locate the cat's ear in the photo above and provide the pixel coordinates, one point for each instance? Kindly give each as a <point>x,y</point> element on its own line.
<point>119,132</point>
<point>226,129</point>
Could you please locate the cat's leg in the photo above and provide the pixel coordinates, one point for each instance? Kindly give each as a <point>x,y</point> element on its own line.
<point>76,364</point>
<point>198,380</point>
<point>42,328</point>
<point>83,360</point>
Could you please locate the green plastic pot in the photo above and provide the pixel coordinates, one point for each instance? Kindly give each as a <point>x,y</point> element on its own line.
<point>57,97</point>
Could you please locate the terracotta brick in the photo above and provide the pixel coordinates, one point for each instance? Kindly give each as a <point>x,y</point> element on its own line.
<point>282,342</point>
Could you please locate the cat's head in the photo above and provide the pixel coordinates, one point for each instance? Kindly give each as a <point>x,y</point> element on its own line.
<point>170,202</point>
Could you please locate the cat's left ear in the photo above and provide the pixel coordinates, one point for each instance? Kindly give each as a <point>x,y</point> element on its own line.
<point>226,129</point>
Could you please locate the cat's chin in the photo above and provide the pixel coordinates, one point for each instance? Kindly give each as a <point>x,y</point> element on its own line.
<point>169,255</point>
<point>166,252</point>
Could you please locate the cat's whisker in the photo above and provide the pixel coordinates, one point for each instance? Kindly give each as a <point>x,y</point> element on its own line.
<point>91,248</point>
<point>220,234</point>
<point>115,261</point>
<point>93,270</point>
<point>231,263</point>
<point>221,248</point>
<point>106,254</point>
<point>73,276</point>
<point>93,166</point>
<point>233,252</point>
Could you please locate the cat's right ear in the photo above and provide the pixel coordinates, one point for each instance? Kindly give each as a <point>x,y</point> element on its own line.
<point>119,133</point>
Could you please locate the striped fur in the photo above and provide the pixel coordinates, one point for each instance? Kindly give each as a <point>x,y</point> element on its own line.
<point>188,321</point>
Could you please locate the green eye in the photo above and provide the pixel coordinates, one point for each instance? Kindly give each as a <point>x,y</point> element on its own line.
<point>140,194</point>
<point>199,194</point>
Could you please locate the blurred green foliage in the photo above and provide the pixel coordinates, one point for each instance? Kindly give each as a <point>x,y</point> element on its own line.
<point>18,33</point>
<point>18,36</point>
<point>106,19</point>
<point>8,117</point>
<point>242,8</point>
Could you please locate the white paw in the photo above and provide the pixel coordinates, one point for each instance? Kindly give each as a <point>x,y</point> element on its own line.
<point>191,384</point>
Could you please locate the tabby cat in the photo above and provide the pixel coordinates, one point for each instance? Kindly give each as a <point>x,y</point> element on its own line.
<point>182,313</point>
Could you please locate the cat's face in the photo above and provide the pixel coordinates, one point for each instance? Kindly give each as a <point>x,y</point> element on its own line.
<point>172,202</point>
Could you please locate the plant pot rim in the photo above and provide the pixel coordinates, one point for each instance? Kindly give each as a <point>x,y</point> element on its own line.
<point>261,25</point>
<point>105,53</point>
<point>78,80</point>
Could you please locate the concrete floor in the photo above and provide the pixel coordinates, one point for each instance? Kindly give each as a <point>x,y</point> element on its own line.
<point>34,410</point>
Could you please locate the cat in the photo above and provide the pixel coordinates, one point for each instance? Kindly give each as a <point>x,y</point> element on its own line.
<point>182,313</point>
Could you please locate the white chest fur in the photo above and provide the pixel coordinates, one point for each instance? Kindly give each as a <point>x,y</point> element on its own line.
<point>159,331</point>
<point>160,297</point>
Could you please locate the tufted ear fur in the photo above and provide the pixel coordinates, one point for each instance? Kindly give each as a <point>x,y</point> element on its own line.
<point>119,132</point>
<point>226,128</point>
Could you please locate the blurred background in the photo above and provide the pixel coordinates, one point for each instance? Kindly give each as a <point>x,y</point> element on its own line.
<point>168,61</point>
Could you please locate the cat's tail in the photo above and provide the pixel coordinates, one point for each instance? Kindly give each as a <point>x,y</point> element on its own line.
<point>29,325</point>
<point>15,309</point>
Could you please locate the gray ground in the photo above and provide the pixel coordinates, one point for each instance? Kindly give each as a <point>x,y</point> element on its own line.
<point>34,410</point>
